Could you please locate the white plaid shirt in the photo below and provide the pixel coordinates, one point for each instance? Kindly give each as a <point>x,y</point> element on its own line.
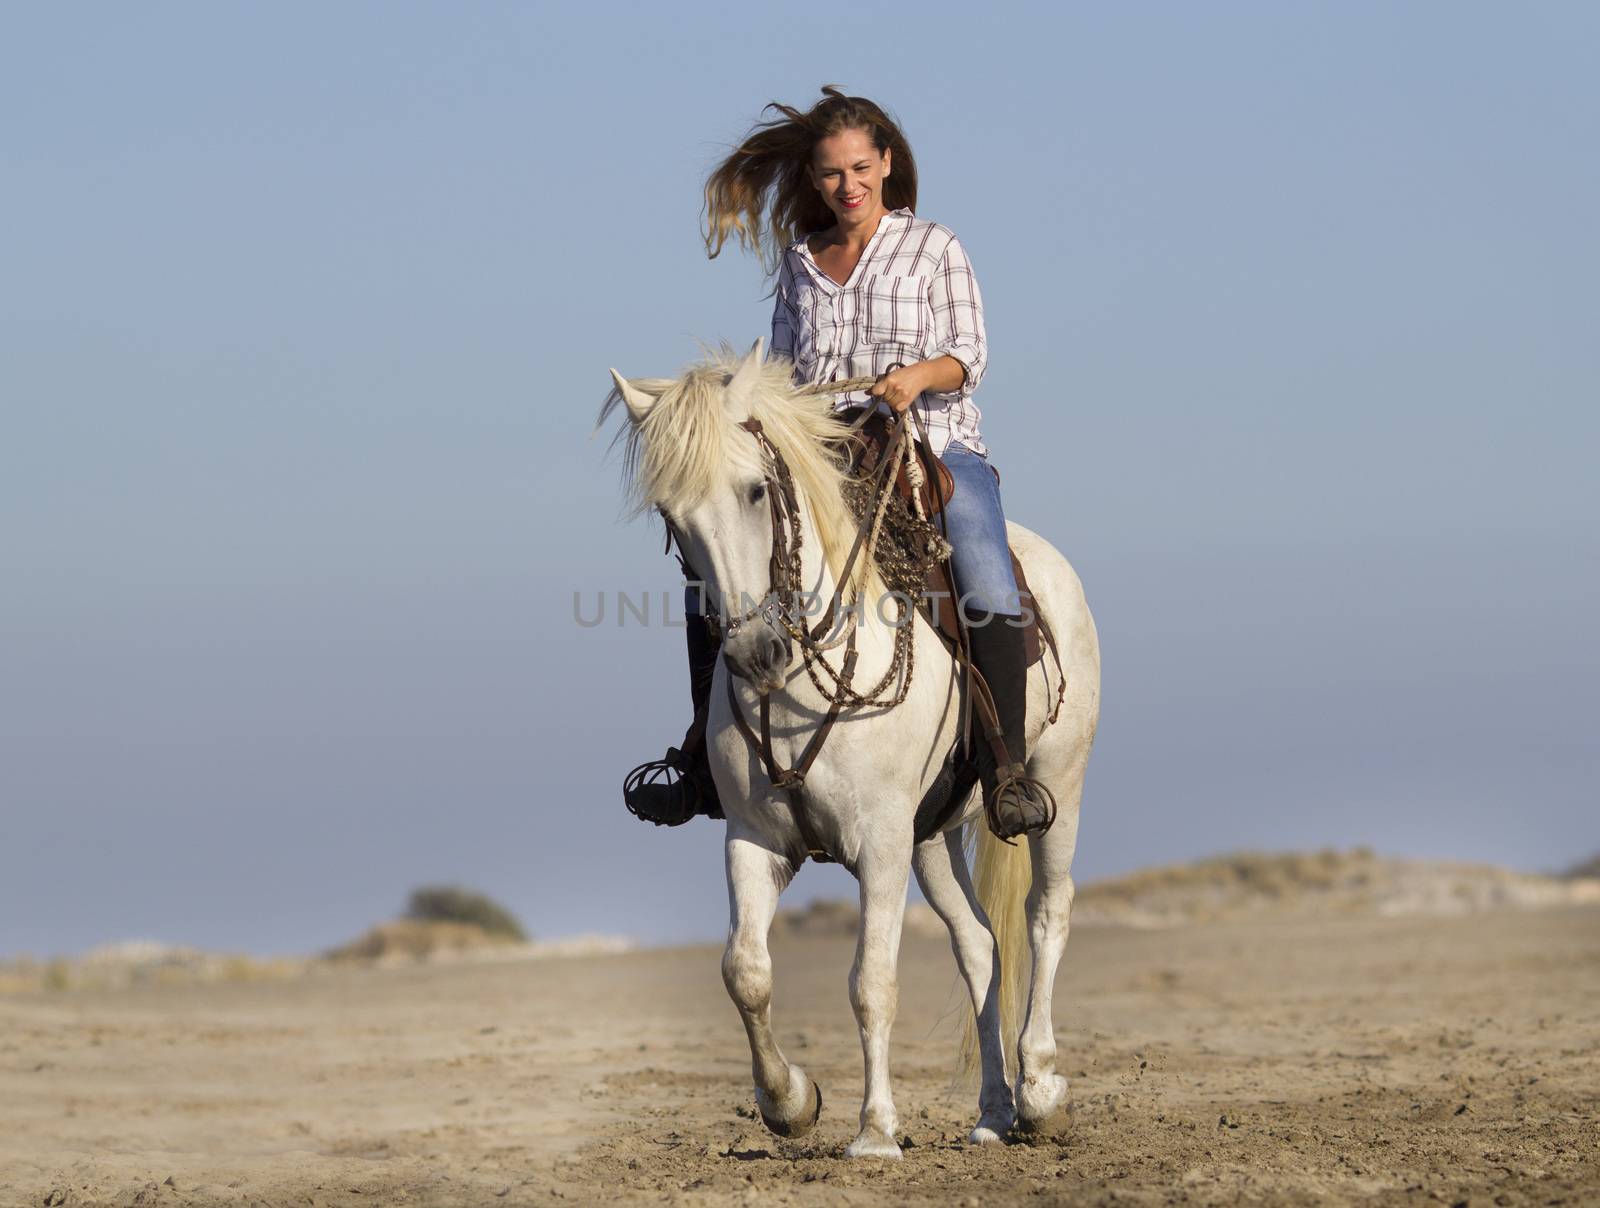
<point>912,297</point>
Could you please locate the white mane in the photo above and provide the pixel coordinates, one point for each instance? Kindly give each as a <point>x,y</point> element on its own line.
<point>689,444</point>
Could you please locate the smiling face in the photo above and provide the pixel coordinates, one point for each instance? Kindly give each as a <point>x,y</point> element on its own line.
<point>849,171</point>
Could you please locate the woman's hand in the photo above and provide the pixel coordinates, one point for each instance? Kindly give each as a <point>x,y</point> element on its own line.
<point>900,387</point>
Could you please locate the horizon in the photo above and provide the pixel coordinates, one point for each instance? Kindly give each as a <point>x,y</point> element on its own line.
<point>1582,870</point>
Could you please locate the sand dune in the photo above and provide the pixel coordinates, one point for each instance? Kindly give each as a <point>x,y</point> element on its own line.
<point>1254,884</point>
<point>1270,885</point>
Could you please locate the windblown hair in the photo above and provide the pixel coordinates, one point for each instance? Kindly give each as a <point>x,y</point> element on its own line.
<point>763,191</point>
<point>688,446</point>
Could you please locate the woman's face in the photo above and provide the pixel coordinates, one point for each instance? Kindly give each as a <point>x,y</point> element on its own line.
<point>849,173</point>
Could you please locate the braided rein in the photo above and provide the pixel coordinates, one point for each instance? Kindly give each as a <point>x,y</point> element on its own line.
<point>838,624</point>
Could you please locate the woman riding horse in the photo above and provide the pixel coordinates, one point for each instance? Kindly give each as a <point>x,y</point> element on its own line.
<point>865,288</point>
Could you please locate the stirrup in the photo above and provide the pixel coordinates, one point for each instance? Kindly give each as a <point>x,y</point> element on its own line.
<point>663,791</point>
<point>1019,804</point>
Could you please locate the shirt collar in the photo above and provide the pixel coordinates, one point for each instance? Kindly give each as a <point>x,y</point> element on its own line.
<point>903,213</point>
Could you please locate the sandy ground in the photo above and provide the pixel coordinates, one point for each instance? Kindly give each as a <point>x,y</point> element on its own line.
<point>1386,1061</point>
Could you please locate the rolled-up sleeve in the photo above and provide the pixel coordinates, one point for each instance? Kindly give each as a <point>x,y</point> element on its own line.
<point>784,315</point>
<point>958,319</point>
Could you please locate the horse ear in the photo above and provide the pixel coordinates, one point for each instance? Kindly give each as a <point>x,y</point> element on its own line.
<point>743,382</point>
<point>637,401</point>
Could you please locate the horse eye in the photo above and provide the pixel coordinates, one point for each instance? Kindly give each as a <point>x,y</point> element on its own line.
<point>758,492</point>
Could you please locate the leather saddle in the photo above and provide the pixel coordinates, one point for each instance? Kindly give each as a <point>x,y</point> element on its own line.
<point>938,605</point>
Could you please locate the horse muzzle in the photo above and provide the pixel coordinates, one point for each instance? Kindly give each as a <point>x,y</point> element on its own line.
<point>759,652</point>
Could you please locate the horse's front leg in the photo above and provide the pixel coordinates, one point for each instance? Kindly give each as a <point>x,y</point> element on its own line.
<point>874,991</point>
<point>789,1101</point>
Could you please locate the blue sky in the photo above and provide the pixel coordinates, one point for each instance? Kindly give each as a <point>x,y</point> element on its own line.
<point>307,310</point>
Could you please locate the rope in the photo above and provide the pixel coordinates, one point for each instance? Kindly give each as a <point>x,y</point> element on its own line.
<point>844,387</point>
<point>903,545</point>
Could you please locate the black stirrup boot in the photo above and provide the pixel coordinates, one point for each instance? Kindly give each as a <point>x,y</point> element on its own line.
<point>672,790</point>
<point>1014,802</point>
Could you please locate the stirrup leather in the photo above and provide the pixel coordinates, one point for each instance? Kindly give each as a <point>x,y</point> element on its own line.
<point>1018,804</point>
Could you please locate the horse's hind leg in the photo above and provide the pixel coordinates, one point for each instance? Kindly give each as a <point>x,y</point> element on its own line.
<point>1043,1098</point>
<point>942,872</point>
<point>789,1101</point>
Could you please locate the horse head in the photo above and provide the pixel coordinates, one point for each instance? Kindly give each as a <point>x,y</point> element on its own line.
<point>737,464</point>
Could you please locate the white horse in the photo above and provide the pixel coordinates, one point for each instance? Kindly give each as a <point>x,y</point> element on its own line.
<point>688,456</point>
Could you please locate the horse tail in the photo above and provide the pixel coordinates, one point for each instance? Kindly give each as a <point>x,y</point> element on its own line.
<point>1002,875</point>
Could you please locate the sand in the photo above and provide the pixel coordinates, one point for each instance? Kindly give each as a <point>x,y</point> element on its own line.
<point>1404,1060</point>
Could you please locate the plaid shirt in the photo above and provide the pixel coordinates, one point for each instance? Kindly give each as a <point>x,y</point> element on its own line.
<point>912,297</point>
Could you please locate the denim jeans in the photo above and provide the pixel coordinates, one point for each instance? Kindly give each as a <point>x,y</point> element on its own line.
<point>981,554</point>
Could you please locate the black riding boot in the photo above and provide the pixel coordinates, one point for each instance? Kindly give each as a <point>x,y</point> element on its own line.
<point>673,790</point>
<point>1014,802</point>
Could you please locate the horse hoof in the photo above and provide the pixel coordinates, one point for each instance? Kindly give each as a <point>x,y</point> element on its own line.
<point>801,1122</point>
<point>1054,1127</point>
<point>873,1143</point>
<point>1044,1109</point>
<point>991,1128</point>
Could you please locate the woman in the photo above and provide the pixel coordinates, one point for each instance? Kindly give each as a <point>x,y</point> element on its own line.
<point>864,287</point>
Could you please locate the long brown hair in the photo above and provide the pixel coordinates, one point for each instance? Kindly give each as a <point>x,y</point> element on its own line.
<point>763,191</point>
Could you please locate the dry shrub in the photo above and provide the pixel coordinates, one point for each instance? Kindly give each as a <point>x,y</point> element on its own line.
<point>451,904</point>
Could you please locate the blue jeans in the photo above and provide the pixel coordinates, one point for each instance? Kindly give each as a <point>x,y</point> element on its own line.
<point>981,554</point>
